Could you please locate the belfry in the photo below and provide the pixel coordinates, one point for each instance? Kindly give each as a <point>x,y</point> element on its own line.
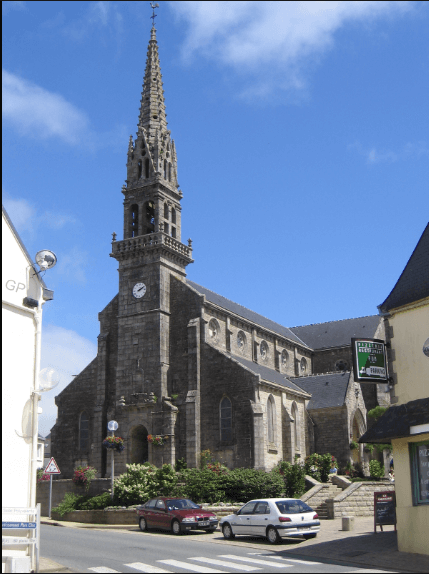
<point>184,364</point>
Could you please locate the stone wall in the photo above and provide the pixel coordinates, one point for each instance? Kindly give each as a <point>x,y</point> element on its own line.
<point>330,432</point>
<point>357,499</point>
<point>61,486</point>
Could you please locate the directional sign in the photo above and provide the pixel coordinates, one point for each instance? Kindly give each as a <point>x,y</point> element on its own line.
<point>15,525</point>
<point>15,510</point>
<point>369,360</point>
<point>52,467</point>
<point>13,540</point>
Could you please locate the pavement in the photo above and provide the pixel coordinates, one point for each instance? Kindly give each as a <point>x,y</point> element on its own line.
<point>360,547</point>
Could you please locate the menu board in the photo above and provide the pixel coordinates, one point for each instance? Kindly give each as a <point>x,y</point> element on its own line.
<point>423,471</point>
<point>384,508</point>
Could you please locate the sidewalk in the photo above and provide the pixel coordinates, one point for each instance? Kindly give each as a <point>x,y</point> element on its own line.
<point>360,548</point>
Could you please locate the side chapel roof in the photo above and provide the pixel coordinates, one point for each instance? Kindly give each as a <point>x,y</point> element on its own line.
<point>337,333</point>
<point>328,390</point>
<point>246,313</point>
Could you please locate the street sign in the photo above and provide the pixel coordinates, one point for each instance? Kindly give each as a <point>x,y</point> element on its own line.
<point>16,525</point>
<point>52,467</point>
<point>12,540</point>
<point>369,360</point>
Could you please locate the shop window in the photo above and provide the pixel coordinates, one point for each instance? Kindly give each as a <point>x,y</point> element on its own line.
<point>419,459</point>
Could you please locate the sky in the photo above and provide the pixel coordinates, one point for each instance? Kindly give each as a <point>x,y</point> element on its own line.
<point>302,136</point>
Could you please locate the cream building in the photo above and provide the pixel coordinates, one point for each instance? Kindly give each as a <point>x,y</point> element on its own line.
<point>406,423</point>
<point>23,294</point>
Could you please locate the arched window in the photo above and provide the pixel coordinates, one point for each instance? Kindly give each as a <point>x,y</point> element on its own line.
<point>146,168</point>
<point>140,169</point>
<point>295,416</point>
<point>134,220</point>
<point>271,419</point>
<point>225,420</point>
<point>169,171</point>
<point>165,169</point>
<point>139,445</point>
<point>150,217</point>
<point>173,215</point>
<point>83,431</point>
<point>165,211</point>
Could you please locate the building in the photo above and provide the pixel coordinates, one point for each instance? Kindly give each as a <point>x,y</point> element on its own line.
<point>177,360</point>
<point>23,294</point>
<point>406,423</point>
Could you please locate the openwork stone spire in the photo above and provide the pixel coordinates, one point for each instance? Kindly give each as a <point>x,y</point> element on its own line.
<point>153,153</point>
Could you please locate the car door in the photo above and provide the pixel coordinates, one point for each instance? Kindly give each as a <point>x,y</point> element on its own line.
<point>161,515</point>
<point>149,512</point>
<point>260,518</point>
<point>241,524</point>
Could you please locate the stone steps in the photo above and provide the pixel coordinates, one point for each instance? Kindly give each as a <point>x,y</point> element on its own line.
<point>317,501</point>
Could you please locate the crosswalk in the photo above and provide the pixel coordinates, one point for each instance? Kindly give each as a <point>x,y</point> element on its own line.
<point>252,562</point>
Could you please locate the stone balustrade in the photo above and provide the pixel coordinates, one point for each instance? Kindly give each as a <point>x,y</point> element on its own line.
<point>131,246</point>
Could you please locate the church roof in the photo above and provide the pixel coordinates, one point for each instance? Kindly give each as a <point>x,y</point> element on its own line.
<point>413,284</point>
<point>328,390</point>
<point>267,374</point>
<point>246,313</point>
<point>337,333</point>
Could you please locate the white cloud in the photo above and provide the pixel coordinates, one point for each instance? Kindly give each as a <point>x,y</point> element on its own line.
<point>27,218</point>
<point>68,353</point>
<point>409,150</point>
<point>39,113</point>
<point>71,265</point>
<point>7,6</point>
<point>272,41</point>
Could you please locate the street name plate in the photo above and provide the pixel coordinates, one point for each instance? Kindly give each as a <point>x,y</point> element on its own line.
<point>15,525</point>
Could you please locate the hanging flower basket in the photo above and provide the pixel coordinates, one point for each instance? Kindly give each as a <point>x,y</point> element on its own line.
<point>115,442</point>
<point>157,440</point>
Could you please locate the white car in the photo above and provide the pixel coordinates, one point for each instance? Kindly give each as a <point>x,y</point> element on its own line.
<point>273,518</point>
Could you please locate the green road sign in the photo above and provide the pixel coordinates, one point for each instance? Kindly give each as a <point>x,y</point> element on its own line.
<point>369,360</point>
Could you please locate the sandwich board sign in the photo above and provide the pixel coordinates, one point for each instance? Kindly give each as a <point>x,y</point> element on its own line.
<point>52,467</point>
<point>369,360</point>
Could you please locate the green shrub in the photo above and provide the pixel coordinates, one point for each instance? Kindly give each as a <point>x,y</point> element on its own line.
<point>376,469</point>
<point>293,478</point>
<point>201,485</point>
<point>136,486</point>
<point>68,504</point>
<point>318,466</point>
<point>95,502</point>
<point>166,479</point>
<point>242,484</point>
<point>376,412</point>
<point>180,465</point>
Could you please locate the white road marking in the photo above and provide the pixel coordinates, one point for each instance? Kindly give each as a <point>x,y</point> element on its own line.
<point>255,561</point>
<point>103,569</point>
<point>147,568</point>
<point>288,559</point>
<point>192,567</point>
<point>225,564</point>
<point>366,570</point>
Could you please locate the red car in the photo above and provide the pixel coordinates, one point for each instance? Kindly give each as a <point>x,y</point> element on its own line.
<point>175,514</point>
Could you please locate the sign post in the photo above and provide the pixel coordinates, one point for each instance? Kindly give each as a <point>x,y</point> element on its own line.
<point>51,469</point>
<point>369,360</point>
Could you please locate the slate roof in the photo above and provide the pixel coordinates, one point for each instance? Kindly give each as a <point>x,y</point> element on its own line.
<point>328,390</point>
<point>337,333</point>
<point>397,420</point>
<point>246,313</point>
<point>267,374</point>
<point>413,284</point>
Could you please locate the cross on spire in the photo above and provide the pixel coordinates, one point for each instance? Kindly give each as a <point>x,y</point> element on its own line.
<point>153,6</point>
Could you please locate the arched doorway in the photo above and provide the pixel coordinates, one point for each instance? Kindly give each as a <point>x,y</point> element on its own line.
<point>357,428</point>
<point>355,438</point>
<point>139,445</point>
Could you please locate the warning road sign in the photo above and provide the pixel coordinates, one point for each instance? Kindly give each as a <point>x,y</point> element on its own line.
<point>52,467</point>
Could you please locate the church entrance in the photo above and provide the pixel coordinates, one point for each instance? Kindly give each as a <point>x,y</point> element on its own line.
<point>139,445</point>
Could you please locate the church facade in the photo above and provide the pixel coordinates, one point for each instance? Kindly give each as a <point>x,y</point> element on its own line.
<point>178,361</point>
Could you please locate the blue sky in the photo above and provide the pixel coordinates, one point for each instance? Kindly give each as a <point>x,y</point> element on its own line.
<point>302,136</point>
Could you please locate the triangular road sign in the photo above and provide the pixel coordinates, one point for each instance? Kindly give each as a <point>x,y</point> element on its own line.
<point>52,467</point>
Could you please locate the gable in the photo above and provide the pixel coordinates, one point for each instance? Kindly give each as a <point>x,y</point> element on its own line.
<point>328,390</point>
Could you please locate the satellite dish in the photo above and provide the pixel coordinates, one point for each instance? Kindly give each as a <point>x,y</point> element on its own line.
<point>112,425</point>
<point>46,259</point>
<point>48,379</point>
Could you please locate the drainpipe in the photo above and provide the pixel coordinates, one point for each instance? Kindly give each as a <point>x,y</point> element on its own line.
<point>36,398</point>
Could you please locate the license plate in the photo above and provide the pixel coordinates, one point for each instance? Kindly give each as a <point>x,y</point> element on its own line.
<point>303,528</point>
<point>205,523</point>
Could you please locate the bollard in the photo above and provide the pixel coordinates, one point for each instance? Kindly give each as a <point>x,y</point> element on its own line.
<point>348,522</point>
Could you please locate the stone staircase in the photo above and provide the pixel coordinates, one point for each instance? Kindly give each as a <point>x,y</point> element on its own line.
<point>316,498</point>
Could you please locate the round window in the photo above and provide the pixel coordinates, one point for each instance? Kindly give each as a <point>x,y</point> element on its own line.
<point>341,365</point>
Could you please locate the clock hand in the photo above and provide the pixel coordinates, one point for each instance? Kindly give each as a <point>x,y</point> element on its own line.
<point>142,287</point>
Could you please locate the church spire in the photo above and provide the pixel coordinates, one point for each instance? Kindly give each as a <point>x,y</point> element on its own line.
<point>152,155</point>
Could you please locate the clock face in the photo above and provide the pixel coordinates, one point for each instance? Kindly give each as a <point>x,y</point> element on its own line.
<point>139,290</point>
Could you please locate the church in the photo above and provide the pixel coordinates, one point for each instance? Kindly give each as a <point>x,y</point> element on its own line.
<point>180,362</point>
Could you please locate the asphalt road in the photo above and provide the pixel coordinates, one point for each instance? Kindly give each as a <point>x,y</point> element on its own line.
<point>88,550</point>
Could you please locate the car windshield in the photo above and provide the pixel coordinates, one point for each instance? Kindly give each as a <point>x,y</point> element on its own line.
<point>181,504</point>
<point>292,506</point>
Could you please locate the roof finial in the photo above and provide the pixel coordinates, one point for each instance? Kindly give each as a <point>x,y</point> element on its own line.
<point>153,6</point>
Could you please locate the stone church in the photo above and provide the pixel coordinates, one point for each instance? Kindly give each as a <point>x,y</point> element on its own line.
<point>179,361</point>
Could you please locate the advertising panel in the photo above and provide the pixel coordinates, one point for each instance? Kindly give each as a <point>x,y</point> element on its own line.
<point>369,360</point>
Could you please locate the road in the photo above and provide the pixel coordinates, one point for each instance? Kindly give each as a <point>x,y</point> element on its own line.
<point>89,550</point>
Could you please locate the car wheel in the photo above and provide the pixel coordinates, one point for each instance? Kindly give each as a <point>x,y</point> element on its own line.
<point>143,524</point>
<point>272,535</point>
<point>227,532</point>
<point>307,536</point>
<point>175,527</point>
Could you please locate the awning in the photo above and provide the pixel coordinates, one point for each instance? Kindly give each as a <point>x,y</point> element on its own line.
<point>397,422</point>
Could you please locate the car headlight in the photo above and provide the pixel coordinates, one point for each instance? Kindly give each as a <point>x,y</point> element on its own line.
<point>190,519</point>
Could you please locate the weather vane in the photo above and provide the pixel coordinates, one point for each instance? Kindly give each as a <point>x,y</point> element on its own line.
<point>153,6</point>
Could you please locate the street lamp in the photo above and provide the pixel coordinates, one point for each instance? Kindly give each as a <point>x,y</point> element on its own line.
<point>112,426</point>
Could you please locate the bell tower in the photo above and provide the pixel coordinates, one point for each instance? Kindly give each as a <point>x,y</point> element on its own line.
<point>150,252</point>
